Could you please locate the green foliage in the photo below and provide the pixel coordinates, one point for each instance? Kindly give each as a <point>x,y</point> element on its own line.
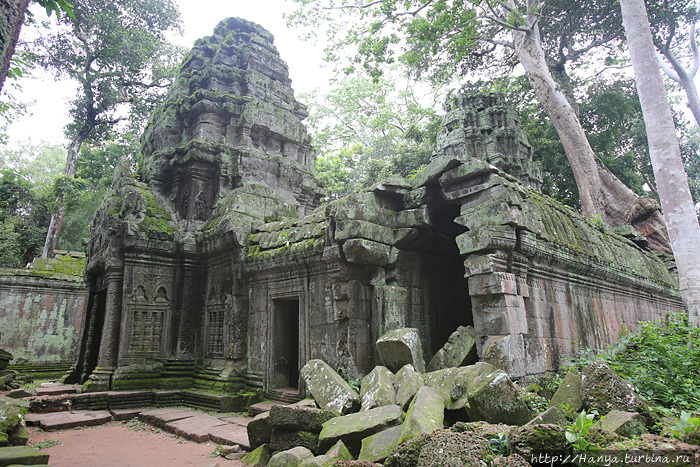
<point>366,130</point>
<point>218,451</point>
<point>23,216</point>
<point>46,444</point>
<point>660,360</point>
<point>686,426</point>
<point>576,434</point>
<point>123,43</point>
<point>56,5</point>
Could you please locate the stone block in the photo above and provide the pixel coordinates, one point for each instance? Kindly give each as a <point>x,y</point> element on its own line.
<point>434,170</point>
<point>361,251</point>
<point>376,448</point>
<point>259,430</point>
<point>604,390</point>
<point>319,461</point>
<point>259,457</point>
<point>22,455</point>
<point>294,457</point>
<point>406,383</point>
<point>401,347</point>
<point>533,440</point>
<point>351,429</point>
<point>377,389</point>
<point>299,417</point>
<point>494,399</point>
<point>329,390</point>
<point>455,351</point>
<point>568,395</point>
<point>425,414</point>
<point>339,452</point>
<point>626,424</point>
<point>282,439</point>
<point>552,416</point>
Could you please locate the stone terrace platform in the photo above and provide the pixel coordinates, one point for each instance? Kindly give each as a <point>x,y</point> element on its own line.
<point>188,423</point>
<point>61,407</point>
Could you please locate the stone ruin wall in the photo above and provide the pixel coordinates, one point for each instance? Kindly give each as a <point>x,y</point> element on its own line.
<point>41,315</point>
<point>215,260</point>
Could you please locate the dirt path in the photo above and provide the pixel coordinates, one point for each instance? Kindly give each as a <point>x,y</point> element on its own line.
<point>114,444</point>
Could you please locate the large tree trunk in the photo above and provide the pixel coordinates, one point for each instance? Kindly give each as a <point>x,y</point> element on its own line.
<point>11,18</point>
<point>601,193</point>
<point>54,232</point>
<point>671,181</point>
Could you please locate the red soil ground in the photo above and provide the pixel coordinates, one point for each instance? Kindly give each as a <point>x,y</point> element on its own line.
<point>115,444</point>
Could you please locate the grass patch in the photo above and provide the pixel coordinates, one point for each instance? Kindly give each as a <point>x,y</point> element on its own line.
<point>46,444</point>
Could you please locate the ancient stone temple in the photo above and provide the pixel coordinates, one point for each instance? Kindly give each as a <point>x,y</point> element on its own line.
<point>215,264</point>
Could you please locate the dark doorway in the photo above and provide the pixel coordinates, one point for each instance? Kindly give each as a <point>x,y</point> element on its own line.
<point>285,344</point>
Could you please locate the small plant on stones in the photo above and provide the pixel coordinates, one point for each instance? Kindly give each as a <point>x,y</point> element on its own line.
<point>576,434</point>
<point>686,427</point>
<point>499,445</point>
<point>218,451</point>
<point>137,425</point>
<point>46,444</point>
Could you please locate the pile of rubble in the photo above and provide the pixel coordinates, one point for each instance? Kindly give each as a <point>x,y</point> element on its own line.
<point>466,415</point>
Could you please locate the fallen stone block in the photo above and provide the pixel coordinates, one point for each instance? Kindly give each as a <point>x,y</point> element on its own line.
<point>425,414</point>
<point>330,391</point>
<point>282,439</point>
<point>351,429</point>
<point>319,461</point>
<point>259,457</point>
<point>446,448</point>
<point>553,415</point>
<point>67,420</point>
<point>160,417</point>
<point>22,455</point>
<point>229,434</point>
<point>456,351</point>
<point>259,430</point>
<point>195,428</point>
<point>401,347</point>
<point>377,389</point>
<point>568,395</point>
<point>291,458</point>
<point>12,430</point>
<point>493,398</point>
<point>377,447</point>
<point>454,383</point>
<point>626,424</point>
<point>339,452</point>
<point>299,417</point>
<point>407,383</point>
<point>604,390</point>
<point>533,440</point>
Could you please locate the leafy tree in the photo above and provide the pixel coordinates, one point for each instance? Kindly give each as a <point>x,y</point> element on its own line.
<point>446,39</point>
<point>23,217</point>
<point>119,55</point>
<point>671,180</point>
<point>366,130</point>
<point>674,35</point>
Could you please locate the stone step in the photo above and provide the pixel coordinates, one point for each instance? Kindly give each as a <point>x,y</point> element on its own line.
<point>236,420</point>
<point>229,435</point>
<point>161,417</point>
<point>195,428</point>
<point>55,389</point>
<point>261,407</point>
<point>127,414</point>
<point>22,455</point>
<point>286,395</point>
<point>199,427</point>
<point>67,420</point>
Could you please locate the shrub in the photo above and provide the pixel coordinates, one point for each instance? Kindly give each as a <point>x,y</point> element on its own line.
<point>661,360</point>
